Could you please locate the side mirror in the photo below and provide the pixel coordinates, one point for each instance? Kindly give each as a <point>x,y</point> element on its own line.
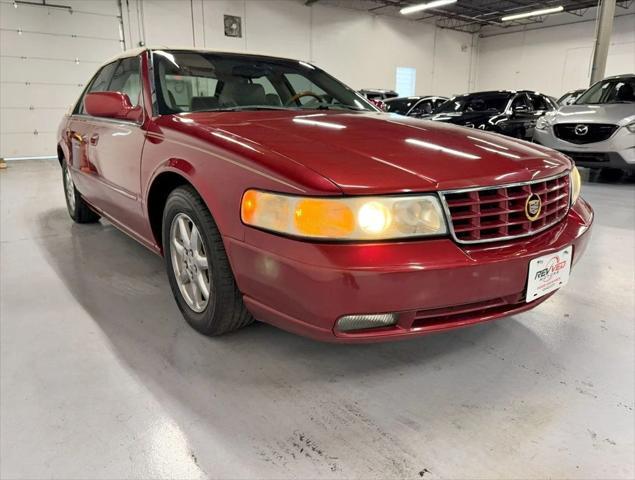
<point>112,105</point>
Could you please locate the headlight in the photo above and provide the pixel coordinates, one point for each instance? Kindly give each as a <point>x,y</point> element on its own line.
<point>575,183</point>
<point>631,127</point>
<point>543,122</point>
<point>351,218</point>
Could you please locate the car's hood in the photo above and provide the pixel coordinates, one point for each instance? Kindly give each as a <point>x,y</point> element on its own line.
<point>614,113</point>
<point>377,152</point>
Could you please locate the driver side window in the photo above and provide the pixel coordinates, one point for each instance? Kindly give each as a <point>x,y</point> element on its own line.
<point>424,107</point>
<point>521,101</point>
<point>99,83</point>
<point>126,79</point>
<point>539,102</point>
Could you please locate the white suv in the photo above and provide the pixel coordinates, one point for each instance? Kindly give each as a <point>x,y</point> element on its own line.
<point>598,130</point>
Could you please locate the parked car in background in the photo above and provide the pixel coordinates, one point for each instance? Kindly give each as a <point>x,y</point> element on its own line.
<point>418,106</point>
<point>377,96</point>
<point>275,192</point>
<point>570,97</point>
<point>512,113</point>
<point>598,130</point>
<point>378,93</point>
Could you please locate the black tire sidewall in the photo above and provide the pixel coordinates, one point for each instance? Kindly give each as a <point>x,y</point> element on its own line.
<point>179,202</point>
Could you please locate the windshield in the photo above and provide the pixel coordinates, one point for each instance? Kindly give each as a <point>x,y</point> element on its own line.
<point>188,81</point>
<point>476,102</point>
<point>615,90</point>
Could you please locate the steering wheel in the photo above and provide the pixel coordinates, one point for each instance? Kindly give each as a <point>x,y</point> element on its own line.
<point>306,93</point>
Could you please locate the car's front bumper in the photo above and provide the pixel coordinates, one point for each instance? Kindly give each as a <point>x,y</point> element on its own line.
<point>618,151</point>
<point>433,284</point>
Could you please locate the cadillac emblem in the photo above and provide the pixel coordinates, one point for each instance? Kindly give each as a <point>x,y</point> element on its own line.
<point>533,206</point>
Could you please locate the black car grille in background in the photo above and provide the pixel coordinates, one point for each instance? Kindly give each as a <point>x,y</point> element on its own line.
<point>581,133</point>
<point>588,157</point>
<point>498,213</point>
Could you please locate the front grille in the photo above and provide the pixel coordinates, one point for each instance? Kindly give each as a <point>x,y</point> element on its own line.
<point>580,133</point>
<point>499,213</point>
<point>588,157</point>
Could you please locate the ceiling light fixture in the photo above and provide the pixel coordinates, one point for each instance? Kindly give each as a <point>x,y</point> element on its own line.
<point>534,13</point>
<point>425,6</point>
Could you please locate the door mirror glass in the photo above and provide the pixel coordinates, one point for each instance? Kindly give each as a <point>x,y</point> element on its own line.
<point>111,105</point>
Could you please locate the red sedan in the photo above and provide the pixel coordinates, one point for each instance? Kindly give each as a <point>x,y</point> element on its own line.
<point>275,192</point>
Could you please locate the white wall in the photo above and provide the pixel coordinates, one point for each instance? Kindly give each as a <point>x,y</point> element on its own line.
<point>556,59</point>
<point>46,56</point>
<point>361,49</point>
<point>40,78</point>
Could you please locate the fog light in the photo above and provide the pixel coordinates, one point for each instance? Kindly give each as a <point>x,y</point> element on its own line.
<point>360,322</point>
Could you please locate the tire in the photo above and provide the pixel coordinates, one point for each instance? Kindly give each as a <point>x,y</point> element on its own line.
<point>223,310</point>
<point>77,208</point>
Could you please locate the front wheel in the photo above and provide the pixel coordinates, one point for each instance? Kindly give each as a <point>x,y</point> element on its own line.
<point>77,208</point>
<point>198,269</point>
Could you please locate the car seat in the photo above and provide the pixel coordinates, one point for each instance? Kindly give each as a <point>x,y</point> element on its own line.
<point>242,94</point>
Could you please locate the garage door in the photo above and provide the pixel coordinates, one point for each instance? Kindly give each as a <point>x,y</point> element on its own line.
<point>47,53</point>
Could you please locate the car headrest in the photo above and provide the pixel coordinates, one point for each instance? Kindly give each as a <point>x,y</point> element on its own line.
<point>242,94</point>
<point>203,103</point>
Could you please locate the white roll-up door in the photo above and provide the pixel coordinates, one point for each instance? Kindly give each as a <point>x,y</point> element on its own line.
<point>47,54</point>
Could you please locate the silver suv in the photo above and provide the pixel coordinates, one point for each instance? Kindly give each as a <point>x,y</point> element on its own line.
<point>598,130</point>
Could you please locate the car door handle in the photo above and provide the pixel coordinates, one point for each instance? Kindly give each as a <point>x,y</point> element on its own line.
<point>94,139</point>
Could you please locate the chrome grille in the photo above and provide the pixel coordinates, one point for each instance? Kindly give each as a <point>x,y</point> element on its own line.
<point>499,213</point>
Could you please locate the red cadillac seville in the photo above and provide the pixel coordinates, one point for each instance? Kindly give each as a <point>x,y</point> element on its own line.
<point>275,192</point>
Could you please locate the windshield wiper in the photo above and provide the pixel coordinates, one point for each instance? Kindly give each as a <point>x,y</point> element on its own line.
<point>324,106</point>
<point>242,109</point>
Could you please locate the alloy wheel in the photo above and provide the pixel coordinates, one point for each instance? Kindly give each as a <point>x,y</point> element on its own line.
<point>189,262</point>
<point>70,189</point>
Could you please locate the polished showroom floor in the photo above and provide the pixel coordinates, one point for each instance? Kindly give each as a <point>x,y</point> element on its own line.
<point>101,377</point>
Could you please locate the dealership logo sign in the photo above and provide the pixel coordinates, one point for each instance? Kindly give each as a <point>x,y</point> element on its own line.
<point>533,206</point>
<point>581,129</point>
<point>554,267</point>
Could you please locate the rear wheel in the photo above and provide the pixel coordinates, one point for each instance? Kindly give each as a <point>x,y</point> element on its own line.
<point>197,266</point>
<point>77,208</point>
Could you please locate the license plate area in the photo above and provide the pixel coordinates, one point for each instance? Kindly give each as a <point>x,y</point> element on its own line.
<point>548,273</point>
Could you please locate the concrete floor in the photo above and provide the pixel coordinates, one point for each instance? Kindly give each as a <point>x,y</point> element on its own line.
<point>101,377</point>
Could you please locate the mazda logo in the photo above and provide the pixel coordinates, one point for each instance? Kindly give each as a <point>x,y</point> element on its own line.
<point>581,129</point>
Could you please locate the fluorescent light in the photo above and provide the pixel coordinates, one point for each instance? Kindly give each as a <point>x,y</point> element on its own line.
<point>425,6</point>
<point>42,157</point>
<point>533,13</point>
